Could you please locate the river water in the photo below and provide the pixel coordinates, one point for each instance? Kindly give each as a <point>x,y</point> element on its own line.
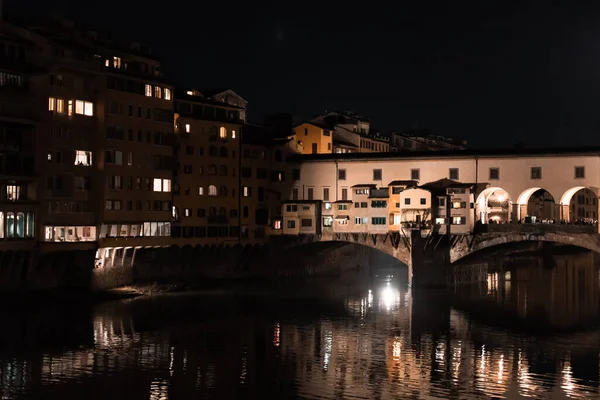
<point>530,331</point>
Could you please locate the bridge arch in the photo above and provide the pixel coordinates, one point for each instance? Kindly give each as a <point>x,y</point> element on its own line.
<point>538,202</point>
<point>465,247</point>
<point>582,207</point>
<point>494,203</point>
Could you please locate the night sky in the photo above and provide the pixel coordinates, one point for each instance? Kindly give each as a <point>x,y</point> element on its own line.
<point>488,71</point>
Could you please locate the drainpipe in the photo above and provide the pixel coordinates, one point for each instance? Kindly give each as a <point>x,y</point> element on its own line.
<point>337,175</point>
<point>474,198</point>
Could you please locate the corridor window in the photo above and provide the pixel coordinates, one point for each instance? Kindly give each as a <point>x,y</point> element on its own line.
<point>247,191</point>
<point>536,172</point>
<point>579,172</point>
<point>343,207</point>
<point>407,201</point>
<point>342,174</point>
<point>423,201</point>
<point>415,174</point>
<point>212,190</point>
<point>200,191</point>
<point>148,90</point>
<point>453,173</point>
<point>158,92</point>
<point>222,132</point>
<point>167,94</point>
<point>494,173</point>
<point>376,174</point>
<point>83,158</point>
<point>378,221</point>
<point>459,220</point>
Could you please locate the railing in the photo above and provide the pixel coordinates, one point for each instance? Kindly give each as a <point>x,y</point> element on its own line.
<point>536,228</point>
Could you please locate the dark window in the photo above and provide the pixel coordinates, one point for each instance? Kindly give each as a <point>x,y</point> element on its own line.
<point>344,194</point>
<point>342,174</point>
<point>189,150</point>
<point>407,201</point>
<point>376,174</point>
<point>306,222</point>
<point>296,174</point>
<point>579,172</point>
<point>325,194</point>
<point>423,201</point>
<point>494,173</point>
<point>415,174</point>
<point>453,173</point>
<point>311,192</point>
<point>536,172</point>
<point>314,148</point>
<point>291,224</point>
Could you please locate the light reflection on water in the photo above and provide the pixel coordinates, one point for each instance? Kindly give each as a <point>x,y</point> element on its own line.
<point>376,340</point>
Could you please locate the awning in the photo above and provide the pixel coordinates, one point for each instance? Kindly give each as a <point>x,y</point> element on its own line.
<point>342,217</point>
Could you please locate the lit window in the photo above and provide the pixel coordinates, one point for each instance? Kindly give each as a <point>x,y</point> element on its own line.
<point>83,158</point>
<point>51,104</point>
<point>157,185</point>
<point>148,90</point>
<point>60,106</point>
<point>246,191</point>
<point>233,134</point>
<point>88,109</point>
<point>49,156</point>
<point>13,192</point>
<point>201,191</point>
<point>212,190</point>
<point>116,62</point>
<point>70,108</point>
<point>189,92</point>
<point>187,212</point>
<point>187,128</point>
<point>157,92</point>
<point>167,94</point>
<point>223,132</point>
<point>84,108</point>
<point>166,185</point>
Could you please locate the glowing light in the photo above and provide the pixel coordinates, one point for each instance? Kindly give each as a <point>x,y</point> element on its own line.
<point>276,334</point>
<point>389,297</point>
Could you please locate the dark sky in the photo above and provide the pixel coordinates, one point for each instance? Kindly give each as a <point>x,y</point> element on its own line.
<point>492,72</point>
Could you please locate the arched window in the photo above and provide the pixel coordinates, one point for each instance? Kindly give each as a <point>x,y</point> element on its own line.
<point>30,225</point>
<point>223,132</point>
<point>223,191</point>
<point>278,156</point>
<point>20,226</point>
<point>212,190</point>
<point>200,191</point>
<point>233,134</point>
<point>212,212</point>
<point>212,170</point>
<point>212,151</point>
<point>223,170</point>
<point>223,212</point>
<point>223,151</point>
<point>10,225</point>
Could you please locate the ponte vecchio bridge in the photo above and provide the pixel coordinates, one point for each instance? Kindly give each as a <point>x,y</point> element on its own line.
<point>468,200</point>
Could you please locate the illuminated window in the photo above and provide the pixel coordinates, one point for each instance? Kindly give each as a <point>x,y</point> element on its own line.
<point>10,225</point>
<point>84,108</point>
<point>222,132</point>
<point>246,191</point>
<point>158,92</point>
<point>201,191</point>
<point>187,128</point>
<point>1,225</point>
<point>148,90</point>
<point>327,221</point>
<point>167,94</point>
<point>277,224</point>
<point>166,185</point>
<point>60,106</point>
<point>70,108</point>
<point>157,185</point>
<point>13,192</point>
<point>233,137</point>
<point>116,62</point>
<point>212,190</point>
<point>51,104</point>
<point>83,158</point>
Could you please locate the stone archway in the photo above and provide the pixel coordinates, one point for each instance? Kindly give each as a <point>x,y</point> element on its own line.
<point>579,204</point>
<point>494,204</point>
<point>537,203</point>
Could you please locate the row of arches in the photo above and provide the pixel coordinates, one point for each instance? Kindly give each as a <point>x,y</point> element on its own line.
<point>576,205</point>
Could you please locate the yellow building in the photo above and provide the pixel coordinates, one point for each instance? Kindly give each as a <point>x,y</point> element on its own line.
<point>315,137</point>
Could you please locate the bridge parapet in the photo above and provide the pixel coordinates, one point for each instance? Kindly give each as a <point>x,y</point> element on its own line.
<point>536,228</point>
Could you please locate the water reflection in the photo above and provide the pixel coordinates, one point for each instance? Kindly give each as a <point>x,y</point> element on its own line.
<point>382,342</point>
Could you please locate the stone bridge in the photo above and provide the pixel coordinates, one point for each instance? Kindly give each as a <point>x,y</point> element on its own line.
<point>393,243</point>
<point>582,236</point>
<point>427,255</point>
